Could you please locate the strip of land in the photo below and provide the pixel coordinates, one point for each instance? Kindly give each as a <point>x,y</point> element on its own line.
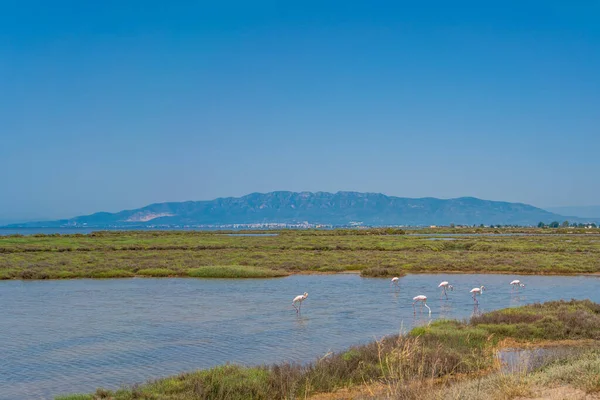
<point>446,359</point>
<point>378,252</point>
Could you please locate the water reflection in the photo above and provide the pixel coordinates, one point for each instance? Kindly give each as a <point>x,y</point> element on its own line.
<point>517,299</point>
<point>301,321</point>
<point>445,309</point>
<point>476,311</point>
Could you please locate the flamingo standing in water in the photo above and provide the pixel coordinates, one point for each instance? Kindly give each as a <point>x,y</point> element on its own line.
<point>445,286</point>
<point>299,300</point>
<point>423,300</point>
<point>476,291</point>
<point>517,284</point>
<point>395,281</point>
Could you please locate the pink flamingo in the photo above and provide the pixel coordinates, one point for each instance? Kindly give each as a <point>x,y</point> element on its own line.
<point>476,291</point>
<point>516,284</point>
<point>395,281</point>
<point>445,286</point>
<point>423,300</point>
<point>299,300</point>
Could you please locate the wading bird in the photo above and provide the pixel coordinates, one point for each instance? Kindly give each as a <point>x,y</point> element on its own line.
<point>423,300</point>
<point>517,284</point>
<point>445,286</point>
<point>395,281</point>
<point>299,300</point>
<point>476,291</point>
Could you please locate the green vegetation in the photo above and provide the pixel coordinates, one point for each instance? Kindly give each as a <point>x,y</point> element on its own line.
<point>376,253</point>
<point>549,321</point>
<point>233,271</point>
<point>381,272</point>
<point>439,355</point>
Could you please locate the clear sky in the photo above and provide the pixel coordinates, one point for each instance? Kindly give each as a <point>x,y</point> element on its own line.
<point>109,105</point>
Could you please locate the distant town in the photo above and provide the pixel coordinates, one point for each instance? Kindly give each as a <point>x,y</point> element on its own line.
<point>309,225</point>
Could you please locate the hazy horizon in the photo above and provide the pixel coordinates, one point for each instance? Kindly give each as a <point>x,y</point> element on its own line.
<point>111,106</point>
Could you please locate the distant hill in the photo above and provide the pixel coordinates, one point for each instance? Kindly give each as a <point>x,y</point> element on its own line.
<point>341,208</point>
<point>590,212</point>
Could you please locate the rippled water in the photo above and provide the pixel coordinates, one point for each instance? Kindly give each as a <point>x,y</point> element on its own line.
<point>69,336</point>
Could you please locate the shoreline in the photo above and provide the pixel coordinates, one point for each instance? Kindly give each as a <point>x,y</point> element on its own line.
<point>314,273</point>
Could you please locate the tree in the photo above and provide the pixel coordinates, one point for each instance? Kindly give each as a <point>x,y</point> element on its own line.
<point>541,225</point>
<point>554,224</point>
<point>565,224</point>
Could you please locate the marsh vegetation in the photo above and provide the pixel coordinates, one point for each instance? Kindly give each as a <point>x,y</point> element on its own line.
<point>374,253</point>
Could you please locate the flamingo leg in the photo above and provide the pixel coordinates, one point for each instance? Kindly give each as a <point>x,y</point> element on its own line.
<point>294,305</point>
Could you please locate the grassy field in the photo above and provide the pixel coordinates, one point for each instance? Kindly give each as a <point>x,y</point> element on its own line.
<point>383,252</point>
<point>445,359</point>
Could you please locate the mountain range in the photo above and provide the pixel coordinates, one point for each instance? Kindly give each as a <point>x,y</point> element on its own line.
<point>341,208</point>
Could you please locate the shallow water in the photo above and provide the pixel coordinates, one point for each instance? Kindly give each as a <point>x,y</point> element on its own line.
<point>516,360</point>
<point>69,336</point>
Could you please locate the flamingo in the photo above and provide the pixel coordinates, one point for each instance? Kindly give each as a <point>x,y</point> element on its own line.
<point>395,281</point>
<point>517,284</point>
<point>445,286</point>
<point>476,291</point>
<point>423,300</point>
<point>299,300</point>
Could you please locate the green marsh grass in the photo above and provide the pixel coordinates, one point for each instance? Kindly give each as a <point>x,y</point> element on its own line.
<point>375,254</point>
<point>233,271</point>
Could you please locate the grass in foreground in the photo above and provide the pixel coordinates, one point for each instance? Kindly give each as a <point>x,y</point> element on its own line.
<point>568,378</point>
<point>437,354</point>
<point>373,252</point>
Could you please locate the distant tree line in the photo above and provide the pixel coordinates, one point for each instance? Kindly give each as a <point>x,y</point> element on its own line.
<point>553,224</point>
<point>488,226</point>
<point>566,224</point>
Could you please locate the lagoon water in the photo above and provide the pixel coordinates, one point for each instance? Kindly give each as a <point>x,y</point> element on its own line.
<point>59,337</point>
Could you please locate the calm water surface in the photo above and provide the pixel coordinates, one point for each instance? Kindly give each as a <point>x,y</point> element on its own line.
<point>60,337</point>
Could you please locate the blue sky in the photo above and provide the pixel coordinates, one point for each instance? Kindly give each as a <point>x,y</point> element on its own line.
<point>108,106</point>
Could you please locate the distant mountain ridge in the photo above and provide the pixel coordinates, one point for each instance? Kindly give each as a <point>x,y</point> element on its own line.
<point>341,208</point>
